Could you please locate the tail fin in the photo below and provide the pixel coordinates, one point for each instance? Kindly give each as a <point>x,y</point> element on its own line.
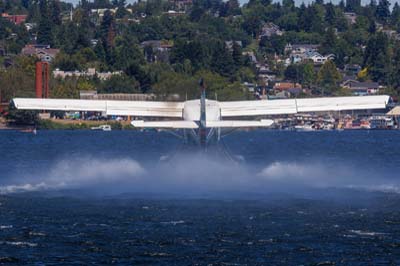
<point>202,126</point>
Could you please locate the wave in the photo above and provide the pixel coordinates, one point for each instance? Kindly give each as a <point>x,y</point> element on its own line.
<point>18,243</point>
<point>195,175</point>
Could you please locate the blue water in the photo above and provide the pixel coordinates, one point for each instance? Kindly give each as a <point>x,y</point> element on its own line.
<point>134,198</point>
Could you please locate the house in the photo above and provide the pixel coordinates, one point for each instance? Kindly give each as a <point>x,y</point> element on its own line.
<point>269,29</point>
<point>361,88</point>
<point>305,52</point>
<point>289,87</point>
<point>97,15</point>
<point>312,56</point>
<point>16,19</point>
<point>30,26</point>
<point>90,72</point>
<point>250,86</point>
<point>352,69</point>
<point>351,17</point>
<point>173,13</point>
<point>300,48</point>
<point>100,11</point>
<point>392,34</point>
<point>182,4</point>
<point>43,52</point>
<point>317,58</point>
<point>156,50</point>
<point>251,56</point>
<point>229,44</point>
<point>93,95</point>
<point>265,74</point>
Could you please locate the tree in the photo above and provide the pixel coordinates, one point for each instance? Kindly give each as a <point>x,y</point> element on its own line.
<point>222,60</point>
<point>23,117</point>
<point>233,8</point>
<point>395,82</point>
<point>126,53</point>
<point>307,74</point>
<point>382,11</point>
<point>329,41</point>
<point>292,73</point>
<point>45,33</point>
<point>395,17</point>
<point>237,55</point>
<point>120,84</point>
<point>107,28</point>
<point>328,78</point>
<point>55,8</point>
<point>330,15</point>
<point>376,57</point>
<point>353,5</point>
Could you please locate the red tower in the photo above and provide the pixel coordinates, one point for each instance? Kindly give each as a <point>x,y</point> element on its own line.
<point>42,79</point>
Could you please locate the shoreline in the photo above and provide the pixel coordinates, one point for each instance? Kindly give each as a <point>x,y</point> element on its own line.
<point>59,124</point>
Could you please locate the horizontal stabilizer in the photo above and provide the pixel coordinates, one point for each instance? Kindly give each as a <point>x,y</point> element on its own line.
<point>239,123</point>
<point>180,124</point>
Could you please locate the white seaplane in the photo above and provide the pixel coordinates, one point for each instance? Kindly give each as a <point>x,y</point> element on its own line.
<point>202,120</point>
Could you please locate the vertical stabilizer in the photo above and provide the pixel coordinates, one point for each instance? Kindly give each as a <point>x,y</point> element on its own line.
<point>202,126</point>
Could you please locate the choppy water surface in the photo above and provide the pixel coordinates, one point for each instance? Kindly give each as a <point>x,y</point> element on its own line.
<point>287,198</point>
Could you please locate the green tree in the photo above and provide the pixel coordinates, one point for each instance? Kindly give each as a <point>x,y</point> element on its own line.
<point>222,60</point>
<point>383,11</point>
<point>307,74</point>
<point>329,42</point>
<point>376,57</point>
<point>395,17</point>
<point>353,5</point>
<point>292,73</point>
<point>328,78</point>
<point>120,84</point>
<point>237,55</point>
<point>395,75</point>
<point>45,31</point>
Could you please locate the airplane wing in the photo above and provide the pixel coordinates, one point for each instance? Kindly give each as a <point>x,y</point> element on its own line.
<point>293,106</point>
<point>126,108</point>
<point>239,123</point>
<point>180,124</point>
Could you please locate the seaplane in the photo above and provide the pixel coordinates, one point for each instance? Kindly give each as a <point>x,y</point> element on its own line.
<point>203,120</point>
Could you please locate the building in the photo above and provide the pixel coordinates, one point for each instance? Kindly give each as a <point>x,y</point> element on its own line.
<point>90,72</point>
<point>229,44</point>
<point>287,88</point>
<point>351,17</point>
<point>300,48</point>
<point>16,19</point>
<point>251,56</point>
<point>361,88</point>
<point>305,52</point>
<point>173,13</point>
<point>182,4</point>
<point>269,29</point>
<point>392,34</point>
<point>352,69</point>
<point>309,56</point>
<point>43,52</point>
<point>317,58</point>
<point>265,74</point>
<point>156,50</point>
<point>93,95</point>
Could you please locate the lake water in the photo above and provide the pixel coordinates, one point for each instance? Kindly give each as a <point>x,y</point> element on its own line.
<point>140,198</point>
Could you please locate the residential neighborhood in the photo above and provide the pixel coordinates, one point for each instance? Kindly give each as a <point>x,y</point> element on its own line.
<point>163,49</point>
